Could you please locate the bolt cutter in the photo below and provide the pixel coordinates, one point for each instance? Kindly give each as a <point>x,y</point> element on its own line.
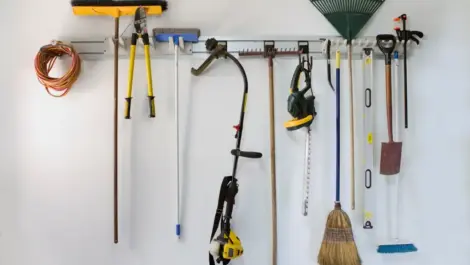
<point>140,26</point>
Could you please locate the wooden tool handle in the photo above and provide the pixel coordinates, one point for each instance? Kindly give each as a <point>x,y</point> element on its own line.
<point>388,82</point>
<point>273,161</point>
<point>351,130</point>
<point>116,88</point>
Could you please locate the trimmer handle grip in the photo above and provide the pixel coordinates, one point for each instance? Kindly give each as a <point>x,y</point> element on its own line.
<point>245,154</point>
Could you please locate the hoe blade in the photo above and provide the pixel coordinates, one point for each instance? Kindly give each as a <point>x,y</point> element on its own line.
<point>390,159</point>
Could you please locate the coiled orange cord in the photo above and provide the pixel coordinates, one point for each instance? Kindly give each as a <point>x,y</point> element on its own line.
<point>45,60</point>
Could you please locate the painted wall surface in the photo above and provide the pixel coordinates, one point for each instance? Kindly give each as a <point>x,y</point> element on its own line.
<point>56,164</point>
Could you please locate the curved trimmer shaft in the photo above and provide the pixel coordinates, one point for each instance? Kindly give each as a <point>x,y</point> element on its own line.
<point>390,160</point>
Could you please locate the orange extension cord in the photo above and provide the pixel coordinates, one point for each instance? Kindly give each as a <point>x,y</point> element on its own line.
<point>45,60</point>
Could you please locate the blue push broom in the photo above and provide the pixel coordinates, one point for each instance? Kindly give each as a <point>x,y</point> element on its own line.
<point>396,245</point>
<point>176,39</point>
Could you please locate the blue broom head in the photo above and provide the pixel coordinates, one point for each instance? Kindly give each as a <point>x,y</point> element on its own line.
<point>187,34</point>
<point>396,248</point>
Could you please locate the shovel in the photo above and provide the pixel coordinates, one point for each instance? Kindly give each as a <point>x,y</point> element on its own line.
<point>390,158</point>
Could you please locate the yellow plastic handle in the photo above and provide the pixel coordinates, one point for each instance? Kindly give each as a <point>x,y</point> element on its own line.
<point>338,59</point>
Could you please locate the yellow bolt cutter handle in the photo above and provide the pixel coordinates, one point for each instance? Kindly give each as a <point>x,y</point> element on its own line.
<point>145,38</point>
<point>127,109</point>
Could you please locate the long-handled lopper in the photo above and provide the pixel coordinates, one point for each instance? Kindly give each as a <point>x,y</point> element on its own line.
<point>176,39</point>
<point>390,160</point>
<point>140,26</point>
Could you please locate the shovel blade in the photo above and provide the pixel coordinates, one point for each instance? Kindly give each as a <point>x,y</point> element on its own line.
<point>390,159</point>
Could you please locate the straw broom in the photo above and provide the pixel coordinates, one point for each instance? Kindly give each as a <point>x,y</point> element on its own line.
<point>338,246</point>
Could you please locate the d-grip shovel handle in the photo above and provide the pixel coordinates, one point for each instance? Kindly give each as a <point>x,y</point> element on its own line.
<point>383,41</point>
<point>245,154</point>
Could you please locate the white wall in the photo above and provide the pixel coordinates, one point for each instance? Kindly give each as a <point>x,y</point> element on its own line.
<point>56,160</point>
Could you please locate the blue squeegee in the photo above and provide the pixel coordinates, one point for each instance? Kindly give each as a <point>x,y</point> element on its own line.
<point>176,39</point>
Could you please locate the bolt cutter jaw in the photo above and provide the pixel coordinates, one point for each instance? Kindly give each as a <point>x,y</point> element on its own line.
<point>140,20</point>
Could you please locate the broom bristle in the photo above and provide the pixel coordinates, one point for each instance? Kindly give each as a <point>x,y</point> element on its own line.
<point>338,246</point>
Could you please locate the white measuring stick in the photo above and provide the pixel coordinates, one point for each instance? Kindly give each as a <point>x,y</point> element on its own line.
<point>306,188</point>
<point>368,141</point>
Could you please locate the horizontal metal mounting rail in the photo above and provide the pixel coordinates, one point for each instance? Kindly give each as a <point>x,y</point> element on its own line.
<point>102,48</point>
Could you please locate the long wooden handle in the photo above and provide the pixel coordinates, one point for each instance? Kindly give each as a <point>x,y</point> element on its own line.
<point>273,161</point>
<point>116,88</point>
<point>388,83</point>
<point>351,117</point>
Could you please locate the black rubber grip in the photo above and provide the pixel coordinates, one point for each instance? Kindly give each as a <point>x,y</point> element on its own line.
<point>128,108</point>
<point>145,39</point>
<point>152,106</point>
<point>134,39</point>
<point>236,152</point>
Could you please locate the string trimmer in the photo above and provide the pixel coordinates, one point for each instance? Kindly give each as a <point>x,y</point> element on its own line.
<point>302,109</point>
<point>227,246</point>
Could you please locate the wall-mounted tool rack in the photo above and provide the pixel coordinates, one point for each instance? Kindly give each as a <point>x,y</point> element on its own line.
<point>101,48</point>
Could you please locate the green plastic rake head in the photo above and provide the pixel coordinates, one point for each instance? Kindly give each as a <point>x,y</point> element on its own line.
<point>348,16</point>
